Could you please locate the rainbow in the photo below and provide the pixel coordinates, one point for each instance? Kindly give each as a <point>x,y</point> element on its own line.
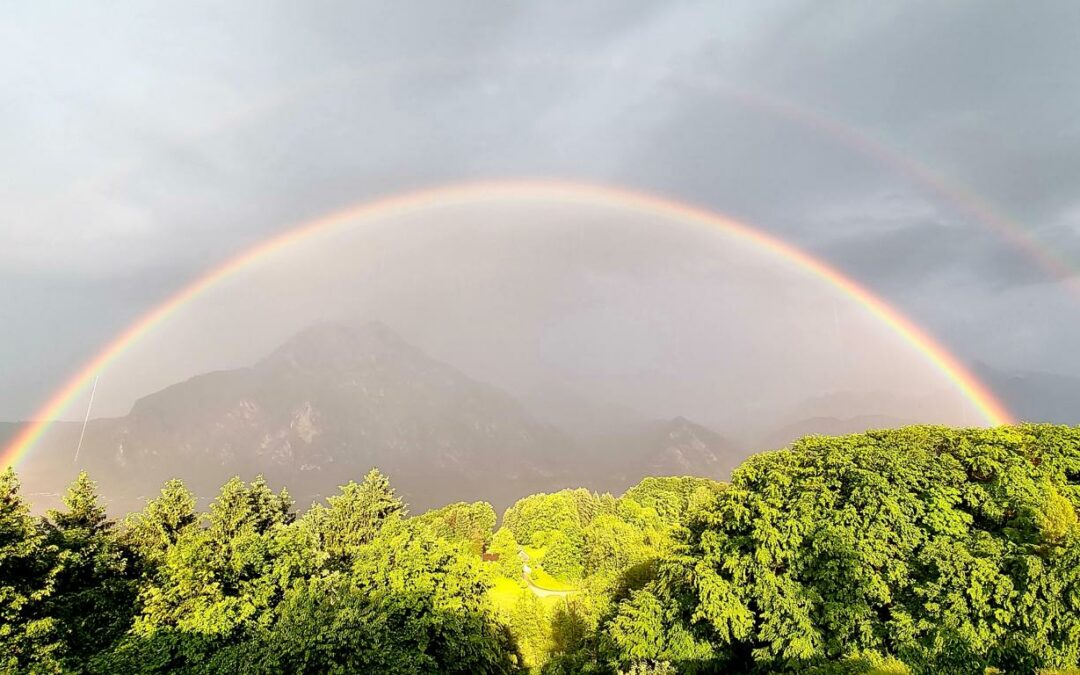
<point>989,408</point>
<point>962,199</point>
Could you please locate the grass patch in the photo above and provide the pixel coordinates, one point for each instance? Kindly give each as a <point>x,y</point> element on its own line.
<point>549,583</point>
<point>505,593</point>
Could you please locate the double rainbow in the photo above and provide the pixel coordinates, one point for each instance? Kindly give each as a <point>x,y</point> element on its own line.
<point>985,402</point>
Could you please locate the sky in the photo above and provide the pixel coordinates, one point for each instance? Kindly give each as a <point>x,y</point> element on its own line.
<point>147,143</point>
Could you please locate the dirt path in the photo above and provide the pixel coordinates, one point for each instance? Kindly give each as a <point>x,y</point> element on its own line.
<point>545,592</point>
<point>538,591</point>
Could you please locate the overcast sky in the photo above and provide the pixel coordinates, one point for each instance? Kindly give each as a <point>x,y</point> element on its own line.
<point>144,143</point>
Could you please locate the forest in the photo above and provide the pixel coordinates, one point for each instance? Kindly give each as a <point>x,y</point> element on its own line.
<point>917,550</point>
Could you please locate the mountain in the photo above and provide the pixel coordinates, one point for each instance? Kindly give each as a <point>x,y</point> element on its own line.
<point>323,408</point>
<point>828,426</point>
<point>334,396</point>
<point>682,447</point>
<point>583,417</point>
<point>675,447</point>
<point>333,401</point>
<point>7,432</point>
<point>1035,396</point>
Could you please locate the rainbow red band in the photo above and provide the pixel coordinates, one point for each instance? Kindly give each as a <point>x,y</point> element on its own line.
<point>989,407</point>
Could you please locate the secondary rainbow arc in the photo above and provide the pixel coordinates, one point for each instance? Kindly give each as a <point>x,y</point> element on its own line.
<point>964,200</point>
<point>982,398</point>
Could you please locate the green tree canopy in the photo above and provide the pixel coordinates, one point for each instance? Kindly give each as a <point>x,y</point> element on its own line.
<point>506,548</point>
<point>95,589</point>
<point>27,578</point>
<point>164,519</point>
<point>919,550</point>
<point>953,550</point>
<point>566,511</point>
<point>411,603</point>
<point>353,518</point>
<point>672,496</point>
<point>471,524</point>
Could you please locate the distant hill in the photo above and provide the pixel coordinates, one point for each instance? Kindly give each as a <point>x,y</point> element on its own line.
<point>682,447</point>
<point>828,426</point>
<point>335,400</point>
<point>1035,396</point>
<point>323,408</point>
<point>1031,396</point>
<point>7,432</point>
<point>675,447</point>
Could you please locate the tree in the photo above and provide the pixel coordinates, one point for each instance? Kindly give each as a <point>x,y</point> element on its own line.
<point>269,509</point>
<point>411,603</point>
<point>951,550</point>
<point>528,622</point>
<point>574,633</point>
<point>27,633</point>
<point>612,545</point>
<point>240,506</point>
<point>218,582</point>
<point>672,496</point>
<point>587,504</point>
<point>94,585</point>
<point>470,524</point>
<point>83,513</point>
<point>542,512</point>
<point>645,634</point>
<point>506,548</point>
<point>563,554</point>
<point>161,523</point>
<point>353,518</point>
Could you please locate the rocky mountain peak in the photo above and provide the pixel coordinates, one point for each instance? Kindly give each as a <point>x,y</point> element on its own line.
<point>680,428</point>
<point>329,347</point>
<point>682,446</point>
<point>334,400</point>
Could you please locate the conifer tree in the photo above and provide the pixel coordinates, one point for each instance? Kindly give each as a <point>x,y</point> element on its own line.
<point>353,517</point>
<point>95,588</point>
<point>506,548</point>
<point>157,527</point>
<point>27,634</point>
<point>217,581</point>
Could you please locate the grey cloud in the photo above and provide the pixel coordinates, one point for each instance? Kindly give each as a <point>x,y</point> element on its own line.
<point>158,142</point>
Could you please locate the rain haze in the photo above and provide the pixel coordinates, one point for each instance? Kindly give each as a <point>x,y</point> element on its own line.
<point>560,300</point>
<point>929,152</point>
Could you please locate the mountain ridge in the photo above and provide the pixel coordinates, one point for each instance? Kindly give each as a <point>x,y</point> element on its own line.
<point>331,402</point>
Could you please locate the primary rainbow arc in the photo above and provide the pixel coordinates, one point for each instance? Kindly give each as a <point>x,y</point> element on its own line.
<point>985,402</point>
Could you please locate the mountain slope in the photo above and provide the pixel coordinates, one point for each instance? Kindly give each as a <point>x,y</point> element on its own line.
<point>681,447</point>
<point>320,410</point>
<point>828,426</point>
<point>1036,396</point>
<point>332,402</point>
<point>675,447</point>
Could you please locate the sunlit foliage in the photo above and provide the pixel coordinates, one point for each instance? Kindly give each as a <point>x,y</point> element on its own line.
<point>920,550</point>
<point>27,579</point>
<point>949,551</point>
<point>472,524</point>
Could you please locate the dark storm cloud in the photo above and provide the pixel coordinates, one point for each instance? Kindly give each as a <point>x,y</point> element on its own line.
<point>984,94</point>
<point>145,145</point>
<point>929,252</point>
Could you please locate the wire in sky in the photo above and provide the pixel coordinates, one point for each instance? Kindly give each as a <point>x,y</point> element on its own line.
<point>86,419</point>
